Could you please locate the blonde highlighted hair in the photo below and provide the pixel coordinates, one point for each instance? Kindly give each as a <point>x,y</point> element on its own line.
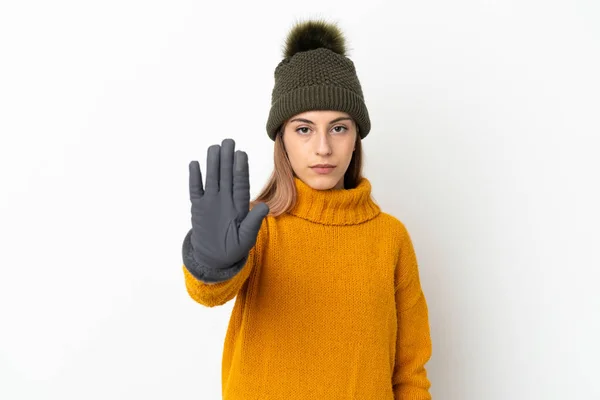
<point>279,193</point>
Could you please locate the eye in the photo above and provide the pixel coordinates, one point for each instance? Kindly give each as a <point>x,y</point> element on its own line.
<point>302,130</point>
<point>344,129</point>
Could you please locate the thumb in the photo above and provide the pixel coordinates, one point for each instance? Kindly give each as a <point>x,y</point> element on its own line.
<point>251,224</point>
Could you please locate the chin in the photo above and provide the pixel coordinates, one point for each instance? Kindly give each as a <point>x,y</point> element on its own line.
<point>324,182</point>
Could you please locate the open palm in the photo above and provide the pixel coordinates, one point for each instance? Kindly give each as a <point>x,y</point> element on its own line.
<point>223,228</point>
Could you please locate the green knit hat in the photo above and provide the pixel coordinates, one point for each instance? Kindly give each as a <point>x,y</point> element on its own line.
<point>315,74</point>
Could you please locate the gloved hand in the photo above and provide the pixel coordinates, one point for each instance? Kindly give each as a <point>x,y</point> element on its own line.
<point>223,228</point>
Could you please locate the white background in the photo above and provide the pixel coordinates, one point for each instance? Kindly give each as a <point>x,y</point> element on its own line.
<point>484,143</point>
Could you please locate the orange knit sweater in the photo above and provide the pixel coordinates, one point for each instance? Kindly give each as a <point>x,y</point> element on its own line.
<point>329,305</point>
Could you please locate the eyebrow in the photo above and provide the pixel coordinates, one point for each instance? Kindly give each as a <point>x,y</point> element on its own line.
<point>306,121</point>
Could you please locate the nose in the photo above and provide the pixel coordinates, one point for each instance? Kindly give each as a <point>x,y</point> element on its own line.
<point>323,145</point>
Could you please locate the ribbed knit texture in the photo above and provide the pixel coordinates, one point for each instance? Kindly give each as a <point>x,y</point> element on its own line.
<point>329,306</point>
<point>317,79</point>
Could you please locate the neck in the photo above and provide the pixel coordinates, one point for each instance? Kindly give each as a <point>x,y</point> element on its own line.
<point>335,206</point>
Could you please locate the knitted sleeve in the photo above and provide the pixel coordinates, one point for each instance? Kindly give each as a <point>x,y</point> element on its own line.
<point>216,294</point>
<point>413,348</point>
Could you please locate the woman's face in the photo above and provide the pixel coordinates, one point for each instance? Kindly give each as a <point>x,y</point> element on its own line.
<point>320,137</point>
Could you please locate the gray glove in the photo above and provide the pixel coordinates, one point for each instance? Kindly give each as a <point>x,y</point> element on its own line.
<point>223,228</point>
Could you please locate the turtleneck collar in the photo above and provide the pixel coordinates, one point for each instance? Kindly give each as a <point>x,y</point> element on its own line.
<point>335,206</point>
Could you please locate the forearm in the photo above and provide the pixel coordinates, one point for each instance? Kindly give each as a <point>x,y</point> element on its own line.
<point>214,294</point>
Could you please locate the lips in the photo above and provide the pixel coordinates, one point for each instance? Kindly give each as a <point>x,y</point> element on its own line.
<point>323,166</point>
<point>323,170</point>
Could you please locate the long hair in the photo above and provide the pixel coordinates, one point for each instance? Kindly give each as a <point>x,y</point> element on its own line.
<point>279,193</point>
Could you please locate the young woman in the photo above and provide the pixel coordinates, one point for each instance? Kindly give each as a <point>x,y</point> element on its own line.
<point>328,299</point>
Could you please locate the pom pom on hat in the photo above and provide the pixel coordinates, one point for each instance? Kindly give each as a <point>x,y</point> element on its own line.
<point>314,34</point>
